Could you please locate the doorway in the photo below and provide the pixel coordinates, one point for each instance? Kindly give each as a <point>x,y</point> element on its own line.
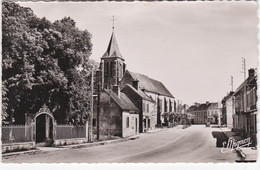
<point>44,129</point>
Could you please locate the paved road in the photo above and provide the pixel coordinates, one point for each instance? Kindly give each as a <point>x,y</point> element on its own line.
<point>193,144</point>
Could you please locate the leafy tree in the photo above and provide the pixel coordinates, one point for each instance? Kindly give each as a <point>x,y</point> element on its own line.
<point>44,62</point>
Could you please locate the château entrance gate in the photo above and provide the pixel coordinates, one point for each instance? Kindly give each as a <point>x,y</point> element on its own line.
<point>43,125</point>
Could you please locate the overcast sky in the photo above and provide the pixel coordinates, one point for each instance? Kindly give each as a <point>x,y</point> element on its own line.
<point>192,47</point>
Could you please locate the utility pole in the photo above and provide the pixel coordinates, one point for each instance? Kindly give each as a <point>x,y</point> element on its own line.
<point>90,138</point>
<point>232,81</point>
<point>244,67</point>
<point>98,109</point>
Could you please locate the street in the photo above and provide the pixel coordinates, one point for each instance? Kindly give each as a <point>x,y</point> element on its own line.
<point>193,144</point>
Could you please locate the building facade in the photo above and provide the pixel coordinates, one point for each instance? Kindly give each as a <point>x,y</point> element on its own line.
<point>145,104</point>
<point>228,110</point>
<point>245,117</point>
<point>205,112</point>
<point>118,116</point>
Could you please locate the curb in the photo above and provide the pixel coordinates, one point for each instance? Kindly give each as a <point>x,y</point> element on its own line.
<point>84,145</point>
<point>21,153</point>
<point>102,142</point>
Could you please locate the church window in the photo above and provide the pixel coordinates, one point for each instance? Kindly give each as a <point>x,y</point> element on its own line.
<point>106,69</point>
<point>111,69</point>
<point>165,105</point>
<point>170,105</point>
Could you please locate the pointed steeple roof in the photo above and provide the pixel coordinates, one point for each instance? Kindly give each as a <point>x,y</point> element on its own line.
<point>112,49</point>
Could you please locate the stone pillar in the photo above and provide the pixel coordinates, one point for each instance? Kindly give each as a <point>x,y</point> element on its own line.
<point>33,131</point>
<point>86,128</point>
<point>47,127</point>
<point>54,130</point>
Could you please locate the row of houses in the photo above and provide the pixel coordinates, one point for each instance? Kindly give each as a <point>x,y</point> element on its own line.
<point>239,108</point>
<point>208,112</point>
<point>128,103</point>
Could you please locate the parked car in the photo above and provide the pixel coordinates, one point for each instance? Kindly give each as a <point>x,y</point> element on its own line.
<point>207,124</point>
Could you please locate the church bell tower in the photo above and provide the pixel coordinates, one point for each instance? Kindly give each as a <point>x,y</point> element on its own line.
<point>112,65</point>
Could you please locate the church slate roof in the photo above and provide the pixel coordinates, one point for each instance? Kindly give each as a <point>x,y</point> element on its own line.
<point>112,49</point>
<point>150,84</point>
<point>138,92</point>
<point>123,101</point>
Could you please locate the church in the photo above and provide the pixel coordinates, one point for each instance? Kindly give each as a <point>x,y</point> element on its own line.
<point>129,103</point>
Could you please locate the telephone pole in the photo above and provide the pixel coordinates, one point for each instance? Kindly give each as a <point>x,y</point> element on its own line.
<point>90,137</point>
<point>232,81</point>
<point>244,67</point>
<point>98,109</point>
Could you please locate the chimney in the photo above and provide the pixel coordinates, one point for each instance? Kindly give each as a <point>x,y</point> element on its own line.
<point>251,72</point>
<point>135,84</point>
<point>116,90</point>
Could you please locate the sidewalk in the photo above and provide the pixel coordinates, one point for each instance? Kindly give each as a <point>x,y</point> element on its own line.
<point>248,154</point>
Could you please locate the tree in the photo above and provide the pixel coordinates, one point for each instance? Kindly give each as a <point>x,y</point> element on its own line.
<point>44,62</point>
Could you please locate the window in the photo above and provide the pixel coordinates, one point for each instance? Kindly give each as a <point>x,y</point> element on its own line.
<point>94,122</point>
<point>143,107</point>
<point>165,105</point>
<point>132,122</point>
<point>107,69</point>
<point>144,121</point>
<point>170,105</point>
<point>111,68</point>
<point>127,122</point>
<point>148,123</point>
<point>147,107</point>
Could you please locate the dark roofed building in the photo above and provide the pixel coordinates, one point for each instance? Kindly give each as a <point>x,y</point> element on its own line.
<point>204,112</point>
<point>146,106</point>
<point>147,84</point>
<point>118,115</point>
<point>155,90</point>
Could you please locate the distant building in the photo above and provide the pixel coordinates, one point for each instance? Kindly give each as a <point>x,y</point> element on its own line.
<point>205,112</point>
<point>213,113</point>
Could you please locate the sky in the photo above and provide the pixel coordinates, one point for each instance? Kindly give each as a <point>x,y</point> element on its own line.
<point>193,48</point>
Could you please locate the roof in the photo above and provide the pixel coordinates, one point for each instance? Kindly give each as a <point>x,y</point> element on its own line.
<point>139,92</point>
<point>248,80</point>
<point>123,102</point>
<point>112,49</point>
<point>203,106</point>
<point>213,105</point>
<point>151,85</point>
<point>227,96</point>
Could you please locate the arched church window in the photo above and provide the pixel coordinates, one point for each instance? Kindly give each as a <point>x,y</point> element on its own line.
<point>106,68</point>
<point>111,68</point>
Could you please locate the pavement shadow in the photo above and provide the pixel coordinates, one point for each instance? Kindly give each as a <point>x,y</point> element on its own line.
<point>220,136</point>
